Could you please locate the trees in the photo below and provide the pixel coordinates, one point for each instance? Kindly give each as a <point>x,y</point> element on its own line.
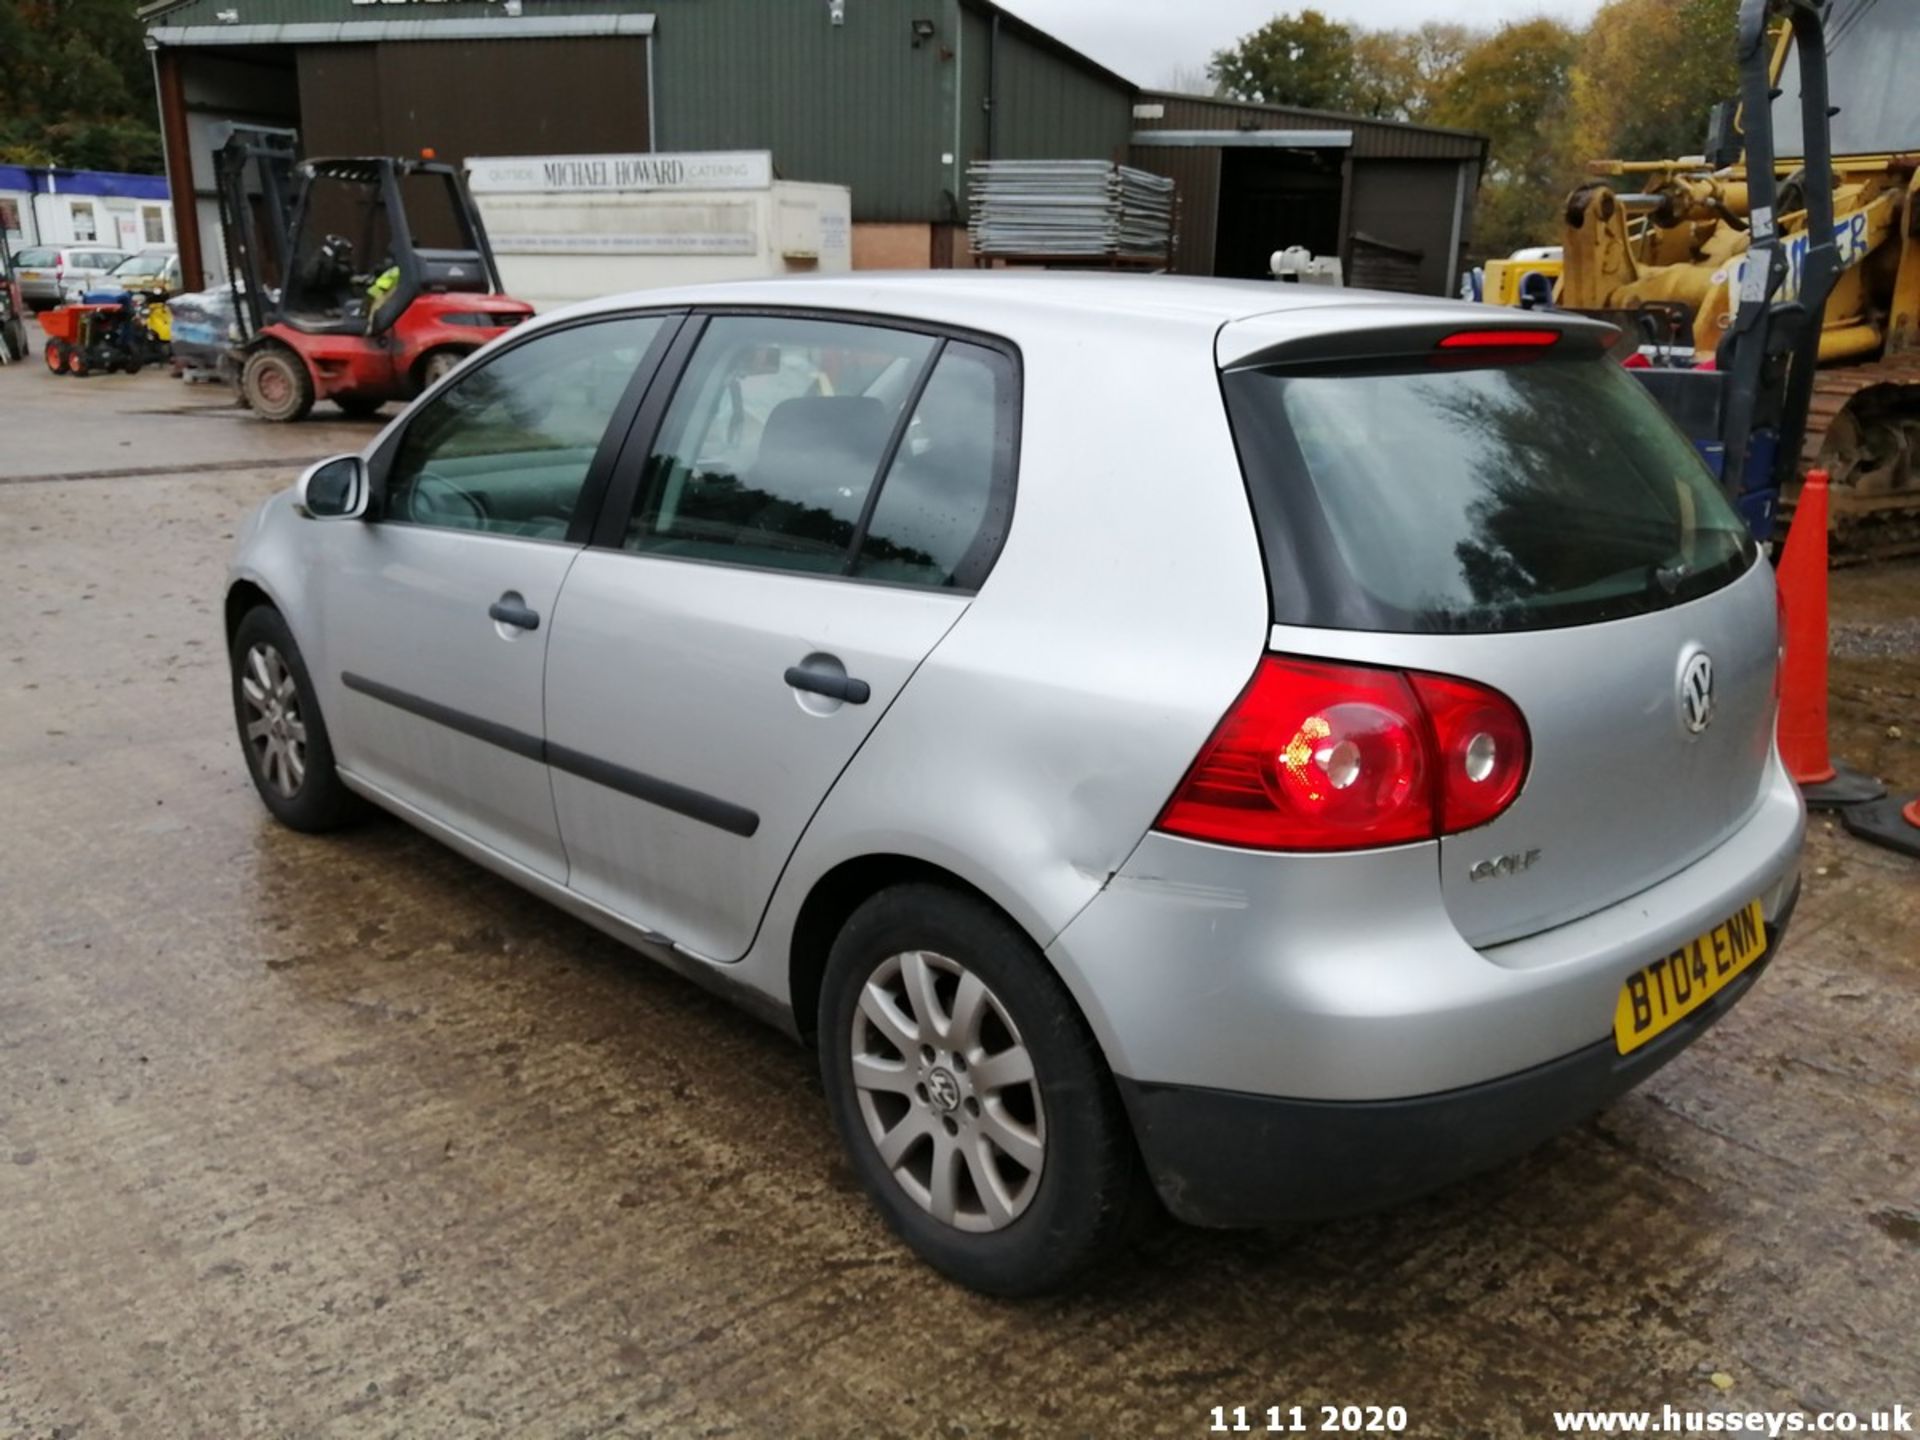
<point>1648,72</point>
<point>1513,88</point>
<point>1403,74</point>
<point>76,88</point>
<point>1303,59</point>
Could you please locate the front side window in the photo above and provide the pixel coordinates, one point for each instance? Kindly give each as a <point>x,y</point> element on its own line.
<point>505,448</point>
<point>833,448</point>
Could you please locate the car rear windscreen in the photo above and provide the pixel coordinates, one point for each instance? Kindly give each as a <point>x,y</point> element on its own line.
<point>1503,497</point>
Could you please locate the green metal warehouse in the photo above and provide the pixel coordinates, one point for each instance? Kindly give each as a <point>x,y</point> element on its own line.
<point>892,98</point>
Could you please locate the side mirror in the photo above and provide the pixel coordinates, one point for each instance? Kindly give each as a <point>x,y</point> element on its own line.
<point>334,489</point>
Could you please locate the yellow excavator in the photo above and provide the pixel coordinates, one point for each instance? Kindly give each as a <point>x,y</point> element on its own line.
<point>1672,247</point>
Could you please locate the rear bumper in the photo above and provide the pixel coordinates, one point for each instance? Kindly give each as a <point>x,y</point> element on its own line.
<point>1222,1157</point>
<point>1343,977</point>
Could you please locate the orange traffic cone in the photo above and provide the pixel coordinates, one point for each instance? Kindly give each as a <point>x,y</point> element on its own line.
<point>1802,578</point>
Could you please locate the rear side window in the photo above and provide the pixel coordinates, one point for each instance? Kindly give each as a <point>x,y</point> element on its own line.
<point>945,501</point>
<point>1499,498</point>
<point>833,448</point>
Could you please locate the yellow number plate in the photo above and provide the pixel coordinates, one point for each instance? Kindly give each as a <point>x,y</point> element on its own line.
<point>1676,985</point>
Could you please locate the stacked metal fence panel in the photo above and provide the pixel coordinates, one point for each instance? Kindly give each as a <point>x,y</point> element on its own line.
<point>1069,209</point>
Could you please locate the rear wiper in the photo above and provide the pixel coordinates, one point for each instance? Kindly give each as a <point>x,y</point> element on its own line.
<point>1669,578</point>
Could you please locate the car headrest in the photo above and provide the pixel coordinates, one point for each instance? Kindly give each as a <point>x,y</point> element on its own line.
<point>815,446</point>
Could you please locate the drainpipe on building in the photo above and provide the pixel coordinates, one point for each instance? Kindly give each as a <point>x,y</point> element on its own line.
<point>953,91</point>
<point>33,204</point>
<point>993,95</point>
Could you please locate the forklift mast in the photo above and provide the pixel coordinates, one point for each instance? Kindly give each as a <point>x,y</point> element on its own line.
<point>1748,412</point>
<point>1769,352</point>
<point>254,178</point>
<point>412,216</point>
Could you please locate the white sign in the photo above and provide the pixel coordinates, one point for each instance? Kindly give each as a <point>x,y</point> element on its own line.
<point>590,174</point>
<point>601,227</point>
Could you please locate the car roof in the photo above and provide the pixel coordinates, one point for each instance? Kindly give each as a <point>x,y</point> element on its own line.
<point>1014,301</point>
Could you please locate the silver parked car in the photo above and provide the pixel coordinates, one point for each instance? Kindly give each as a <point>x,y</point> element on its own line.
<point>151,272</point>
<point>47,272</point>
<point>1283,748</point>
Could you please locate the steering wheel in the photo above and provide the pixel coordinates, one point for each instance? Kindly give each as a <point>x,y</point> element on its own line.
<point>435,500</point>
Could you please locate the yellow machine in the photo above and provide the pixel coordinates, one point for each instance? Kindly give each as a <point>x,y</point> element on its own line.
<point>1670,238</point>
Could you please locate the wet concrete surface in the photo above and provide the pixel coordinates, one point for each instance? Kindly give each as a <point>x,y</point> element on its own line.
<point>345,1137</point>
<point>1874,671</point>
<point>123,425</point>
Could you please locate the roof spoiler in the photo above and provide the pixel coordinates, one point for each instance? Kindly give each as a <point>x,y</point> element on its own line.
<point>1457,335</point>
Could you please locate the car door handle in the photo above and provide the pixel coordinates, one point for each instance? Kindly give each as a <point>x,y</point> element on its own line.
<point>825,682</point>
<point>515,612</point>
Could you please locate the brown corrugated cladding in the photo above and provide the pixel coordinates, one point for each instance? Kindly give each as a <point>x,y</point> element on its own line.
<point>1195,173</point>
<point>399,97</point>
<point>1409,204</point>
<point>1372,139</point>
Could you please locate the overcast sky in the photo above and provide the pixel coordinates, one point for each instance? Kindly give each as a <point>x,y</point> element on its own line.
<point>1148,41</point>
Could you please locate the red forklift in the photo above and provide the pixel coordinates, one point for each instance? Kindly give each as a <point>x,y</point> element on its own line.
<point>357,280</point>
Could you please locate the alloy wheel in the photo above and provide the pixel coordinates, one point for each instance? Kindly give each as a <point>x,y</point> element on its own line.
<point>276,733</point>
<point>947,1090</point>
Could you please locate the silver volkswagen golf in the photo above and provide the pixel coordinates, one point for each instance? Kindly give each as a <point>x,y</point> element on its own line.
<point>1281,749</point>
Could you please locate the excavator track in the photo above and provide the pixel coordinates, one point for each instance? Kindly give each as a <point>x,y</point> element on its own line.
<point>1863,428</point>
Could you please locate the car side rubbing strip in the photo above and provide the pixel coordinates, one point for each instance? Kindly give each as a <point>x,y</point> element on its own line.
<point>694,804</point>
<point>681,799</point>
<point>517,741</point>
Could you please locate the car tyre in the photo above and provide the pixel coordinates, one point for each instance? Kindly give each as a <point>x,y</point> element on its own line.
<point>282,732</point>
<point>946,1129</point>
<point>276,384</point>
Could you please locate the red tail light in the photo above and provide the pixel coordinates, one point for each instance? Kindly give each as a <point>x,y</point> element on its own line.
<point>1482,747</point>
<point>1499,339</point>
<point>1318,756</point>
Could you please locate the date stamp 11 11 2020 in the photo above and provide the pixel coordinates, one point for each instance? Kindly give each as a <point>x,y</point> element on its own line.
<point>1308,1420</point>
